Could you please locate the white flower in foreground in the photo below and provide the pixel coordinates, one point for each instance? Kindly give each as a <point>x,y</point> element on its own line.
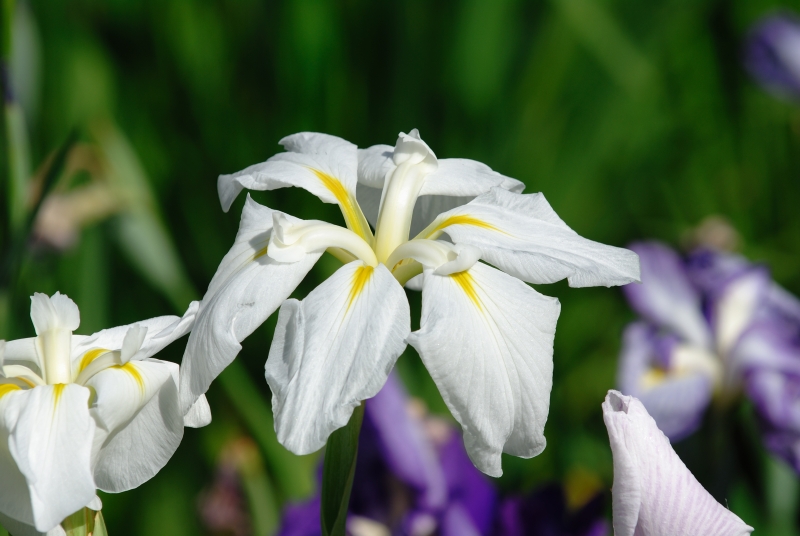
<point>654,494</point>
<point>79,413</point>
<point>485,336</point>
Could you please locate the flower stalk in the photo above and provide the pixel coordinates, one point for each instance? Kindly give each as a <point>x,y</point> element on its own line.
<point>341,453</point>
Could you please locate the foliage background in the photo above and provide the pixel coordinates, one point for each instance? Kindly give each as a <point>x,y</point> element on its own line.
<point>636,119</point>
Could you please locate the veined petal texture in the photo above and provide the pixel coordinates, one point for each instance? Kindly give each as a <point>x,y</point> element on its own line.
<point>654,494</point>
<point>523,236</point>
<point>487,341</point>
<point>50,440</point>
<point>248,287</point>
<point>333,350</point>
<point>141,424</point>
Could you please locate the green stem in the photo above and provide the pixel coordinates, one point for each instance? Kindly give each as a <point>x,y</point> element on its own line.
<point>85,522</point>
<point>337,474</point>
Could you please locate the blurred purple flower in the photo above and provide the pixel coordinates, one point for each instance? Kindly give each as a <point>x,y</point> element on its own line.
<point>413,477</point>
<point>772,54</point>
<point>712,325</point>
<point>544,513</point>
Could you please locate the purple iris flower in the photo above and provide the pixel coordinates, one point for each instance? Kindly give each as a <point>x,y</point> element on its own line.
<point>413,477</point>
<point>772,54</point>
<point>713,325</point>
<point>544,513</point>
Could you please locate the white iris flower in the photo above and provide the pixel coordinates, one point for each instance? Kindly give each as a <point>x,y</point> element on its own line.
<point>485,336</point>
<point>78,413</point>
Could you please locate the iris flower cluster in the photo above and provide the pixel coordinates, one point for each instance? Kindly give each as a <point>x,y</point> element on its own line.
<point>413,477</point>
<point>81,413</point>
<point>713,326</point>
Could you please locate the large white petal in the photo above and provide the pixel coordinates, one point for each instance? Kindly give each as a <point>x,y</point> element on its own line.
<point>51,441</point>
<point>654,494</point>
<point>522,235</point>
<point>333,350</point>
<point>141,422</point>
<point>487,340</point>
<point>324,165</point>
<point>248,287</point>
<point>15,497</point>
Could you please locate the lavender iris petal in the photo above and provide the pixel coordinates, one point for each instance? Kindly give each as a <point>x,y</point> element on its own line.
<point>666,297</point>
<point>676,403</point>
<point>404,447</point>
<point>776,396</point>
<point>468,486</point>
<point>772,55</point>
<point>544,512</point>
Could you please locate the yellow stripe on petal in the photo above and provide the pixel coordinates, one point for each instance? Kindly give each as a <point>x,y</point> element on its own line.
<point>90,356</point>
<point>653,378</point>
<point>360,278</point>
<point>351,211</point>
<point>6,388</point>
<point>467,284</point>
<point>131,369</point>
<point>459,219</point>
<point>58,389</point>
<point>260,253</point>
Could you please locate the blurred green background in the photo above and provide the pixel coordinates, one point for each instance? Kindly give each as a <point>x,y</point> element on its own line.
<point>636,120</point>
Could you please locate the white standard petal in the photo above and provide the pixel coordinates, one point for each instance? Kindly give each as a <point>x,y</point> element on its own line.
<point>248,287</point>
<point>324,165</point>
<point>654,494</point>
<point>333,350</point>
<point>141,422</point>
<point>487,340</point>
<point>522,235</point>
<point>51,435</point>
<point>456,182</point>
<point>56,312</point>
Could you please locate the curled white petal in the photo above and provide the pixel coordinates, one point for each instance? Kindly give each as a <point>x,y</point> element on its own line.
<point>132,342</point>
<point>291,241</point>
<point>654,494</point>
<point>444,258</point>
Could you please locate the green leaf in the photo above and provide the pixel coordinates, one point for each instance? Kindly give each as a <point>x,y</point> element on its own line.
<point>337,474</point>
<point>294,475</point>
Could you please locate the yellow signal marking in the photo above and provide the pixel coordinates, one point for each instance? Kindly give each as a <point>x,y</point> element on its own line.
<point>360,278</point>
<point>467,284</point>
